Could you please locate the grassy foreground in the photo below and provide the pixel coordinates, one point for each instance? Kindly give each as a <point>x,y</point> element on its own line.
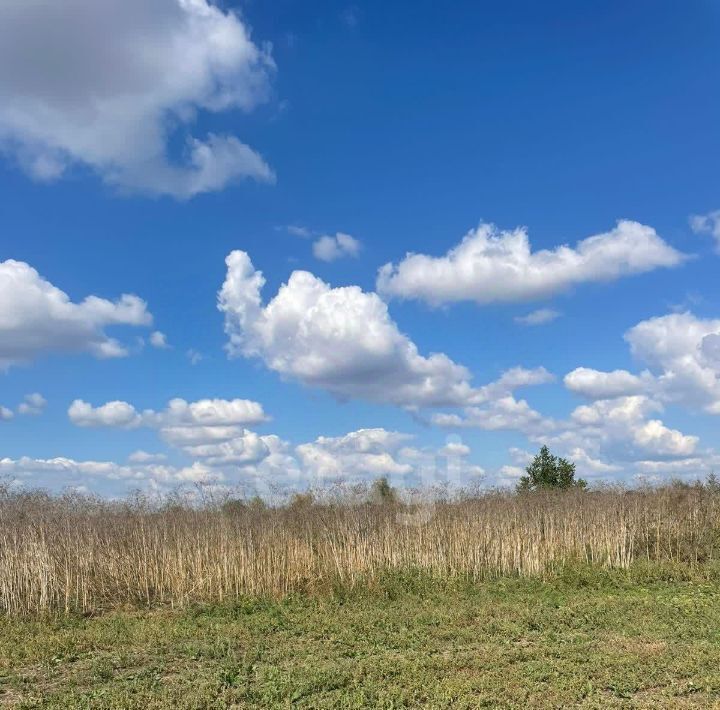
<point>583,639</point>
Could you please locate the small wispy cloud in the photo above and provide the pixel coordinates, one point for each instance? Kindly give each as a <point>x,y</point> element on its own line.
<point>298,231</point>
<point>707,224</point>
<point>538,317</point>
<point>194,356</point>
<point>145,457</point>
<point>691,300</point>
<point>33,404</point>
<point>350,16</point>
<point>159,340</point>
<point>326,247</point>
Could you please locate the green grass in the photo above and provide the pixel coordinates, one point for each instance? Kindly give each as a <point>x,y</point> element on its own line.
<point>587,639</point>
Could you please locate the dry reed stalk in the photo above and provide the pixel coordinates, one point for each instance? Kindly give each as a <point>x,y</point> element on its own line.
<point>81,555</point>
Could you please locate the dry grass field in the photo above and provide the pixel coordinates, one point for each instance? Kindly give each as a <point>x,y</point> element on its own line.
<point>75,554</point>
<point>575,599</point>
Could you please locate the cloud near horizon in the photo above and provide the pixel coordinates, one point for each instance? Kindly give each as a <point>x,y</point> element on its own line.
<point>221,451</point>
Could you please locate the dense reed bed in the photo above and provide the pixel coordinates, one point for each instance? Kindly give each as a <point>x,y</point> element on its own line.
<point>75,554</point>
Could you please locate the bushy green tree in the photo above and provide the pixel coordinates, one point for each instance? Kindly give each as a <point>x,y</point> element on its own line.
<point>712,483</point>
<point>382,492</point>
<point>548,472</point>
<point>302,501</point>
<point>233,507</point>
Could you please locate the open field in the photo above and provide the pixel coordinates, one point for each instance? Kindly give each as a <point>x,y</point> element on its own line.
<point>592,599</point>
<point>643,638</point>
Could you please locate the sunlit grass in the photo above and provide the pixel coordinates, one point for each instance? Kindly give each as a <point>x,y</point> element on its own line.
<point>640,638</point>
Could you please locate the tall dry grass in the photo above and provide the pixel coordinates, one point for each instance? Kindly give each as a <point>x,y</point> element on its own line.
<point>75,554</point>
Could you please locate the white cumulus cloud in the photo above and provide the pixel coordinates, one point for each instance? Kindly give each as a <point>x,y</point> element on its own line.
<point>330,248</point>
<point>493,266</point>
<point>621,429</point>
<point>38,318</point>
<point>681,350</point>
<point>112,414</point>
<point>105,84</point>
<point>242,448</point>
<point>367,452</point>
<point>596,384</point>
<point>682,354</point>
<point>340,339</point>
<point>655,437</point>
<point>178,418</point>
<point>455,448</point>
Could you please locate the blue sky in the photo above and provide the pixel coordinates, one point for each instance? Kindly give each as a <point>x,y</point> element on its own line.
<point>144,142</point>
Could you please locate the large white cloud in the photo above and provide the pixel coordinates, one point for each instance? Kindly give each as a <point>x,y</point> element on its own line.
<point>682,355</point>
<point>211,412</point>
<point>112,414</point>
<point>596,384</point>
<point>242,448</point>
<point>105,83</point>
<point>625,420</point>
<point>682,352</point>
<point>38,318</point>
<point>655,437</point>
<point>340,339</point>
<point>491,265</point>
